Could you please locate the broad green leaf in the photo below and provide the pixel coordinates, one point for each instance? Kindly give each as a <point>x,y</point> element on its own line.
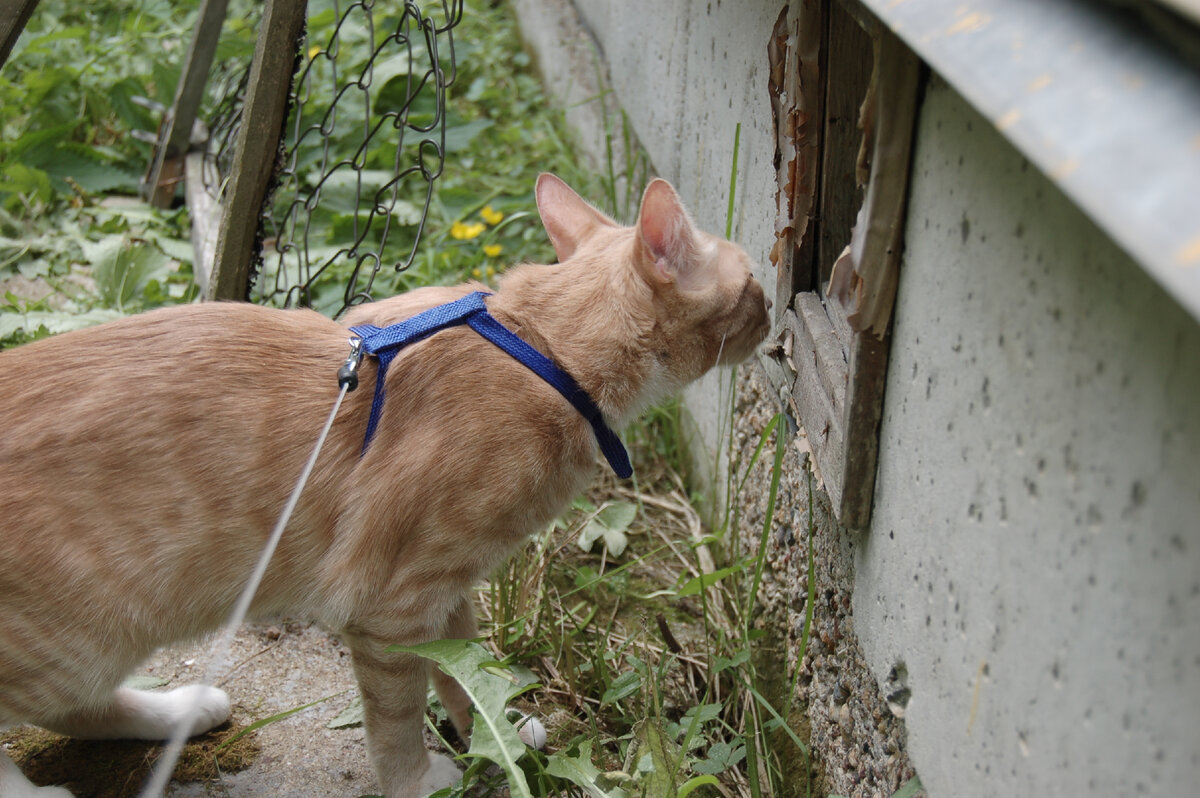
<point>623,686</point>
<point>658,758</point>
<point>145,682</point>
<point>609,525</point>
<point>490,687</point>
<point>122,267</point>
<point>459,137</point>
<point>352,715</point>
<point>721,756</point>
<point>580,771</point>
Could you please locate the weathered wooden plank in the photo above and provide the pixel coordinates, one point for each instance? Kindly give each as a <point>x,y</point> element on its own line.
<point>14,14</point>
<point>863,288</point>
<point>204,210</point>
<point>828,349</point>
<point>839,339</point>
<point>166,167</point>
<point>263,117</point>
<point>820,416</point>
<point>847,75</point>
<point>865,277</point>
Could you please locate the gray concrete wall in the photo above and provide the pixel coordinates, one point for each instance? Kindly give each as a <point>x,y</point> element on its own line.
<point>1034,556</point>
<point>1031,576</point>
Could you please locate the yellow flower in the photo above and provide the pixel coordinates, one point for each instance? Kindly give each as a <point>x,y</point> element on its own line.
<point>313,51</point>
<point>491,215</point>
<point>492,250</point>
<point>465,232</point>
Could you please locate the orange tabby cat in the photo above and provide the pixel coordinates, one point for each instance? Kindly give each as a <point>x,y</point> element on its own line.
<point>143,463</point>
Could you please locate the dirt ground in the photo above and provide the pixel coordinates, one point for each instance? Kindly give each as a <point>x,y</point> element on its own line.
<point>276,667</point>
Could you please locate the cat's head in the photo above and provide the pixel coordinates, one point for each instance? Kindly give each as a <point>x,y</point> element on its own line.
<point>696,290</point>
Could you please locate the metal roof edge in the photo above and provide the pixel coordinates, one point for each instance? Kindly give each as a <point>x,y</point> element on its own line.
<point>1106,111</point>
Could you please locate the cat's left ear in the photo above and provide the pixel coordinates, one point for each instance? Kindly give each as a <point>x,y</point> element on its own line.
<point>568,218</point>
<point>667,235</point>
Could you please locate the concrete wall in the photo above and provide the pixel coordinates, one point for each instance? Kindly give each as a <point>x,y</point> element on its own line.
<point>1028,593</point>
<point>1034,556</point>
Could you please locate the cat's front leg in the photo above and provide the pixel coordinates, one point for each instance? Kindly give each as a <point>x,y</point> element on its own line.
<point>393,690</point>
<point>461,626</point>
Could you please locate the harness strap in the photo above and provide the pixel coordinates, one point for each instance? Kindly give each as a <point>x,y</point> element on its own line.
<point>385,342</point>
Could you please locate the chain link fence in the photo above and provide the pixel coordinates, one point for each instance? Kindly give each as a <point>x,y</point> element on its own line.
<point>363,144</point>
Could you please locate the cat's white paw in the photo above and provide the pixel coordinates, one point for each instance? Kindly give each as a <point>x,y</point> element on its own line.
<point>13,784</point>
<point>531,730</point>
<point>209,705</point>
<point>442,773</point>
<point>50,792</point>
<point>154,716</point>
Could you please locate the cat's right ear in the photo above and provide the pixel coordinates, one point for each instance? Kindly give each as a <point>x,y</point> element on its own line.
<point>568,218</point>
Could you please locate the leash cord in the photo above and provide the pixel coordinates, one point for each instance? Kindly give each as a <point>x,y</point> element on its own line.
<point>219,655</point>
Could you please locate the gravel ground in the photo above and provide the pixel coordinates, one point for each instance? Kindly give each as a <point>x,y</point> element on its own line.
<point>276,668</point>
<point>857,734</point>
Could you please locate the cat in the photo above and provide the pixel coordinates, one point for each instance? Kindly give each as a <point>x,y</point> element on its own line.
<point>144,461</point>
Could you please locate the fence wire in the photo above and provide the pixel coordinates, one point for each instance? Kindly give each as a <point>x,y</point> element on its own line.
<point>364,143</point>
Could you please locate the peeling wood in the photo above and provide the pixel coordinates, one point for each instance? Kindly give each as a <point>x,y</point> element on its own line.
<point>841,219</point>
<point>866,285</point>
<point>796,95</point>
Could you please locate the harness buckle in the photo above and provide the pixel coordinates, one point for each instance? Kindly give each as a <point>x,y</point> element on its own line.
<point>348,373</point>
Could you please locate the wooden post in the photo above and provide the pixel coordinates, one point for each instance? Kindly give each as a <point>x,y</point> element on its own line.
<point>13,16</point>
<point>174,136</point>
<point>263,116</point>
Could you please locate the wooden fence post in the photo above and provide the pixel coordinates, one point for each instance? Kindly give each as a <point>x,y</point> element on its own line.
<point>13,16</point>
<point>263,117</point>
<point>174,137</point>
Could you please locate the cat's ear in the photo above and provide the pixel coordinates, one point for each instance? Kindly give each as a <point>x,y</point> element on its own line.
<point>667,236</point>
<point>568,218</point>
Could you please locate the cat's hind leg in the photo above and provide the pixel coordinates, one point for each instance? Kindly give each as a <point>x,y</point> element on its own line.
<point>145,715</point>
<point>13,783</point>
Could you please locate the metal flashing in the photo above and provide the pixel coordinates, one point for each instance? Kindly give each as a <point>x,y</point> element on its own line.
<point>1104,109</point>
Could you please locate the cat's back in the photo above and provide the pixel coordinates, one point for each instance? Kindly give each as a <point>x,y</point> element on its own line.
<point>158,415</point>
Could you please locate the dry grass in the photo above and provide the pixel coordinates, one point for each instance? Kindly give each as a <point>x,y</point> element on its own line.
<point>118,768</point>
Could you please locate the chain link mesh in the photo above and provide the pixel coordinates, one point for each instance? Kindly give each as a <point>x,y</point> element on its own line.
<point>364,143</point>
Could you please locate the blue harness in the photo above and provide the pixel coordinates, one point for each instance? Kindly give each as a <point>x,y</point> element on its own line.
<point>385,342</point>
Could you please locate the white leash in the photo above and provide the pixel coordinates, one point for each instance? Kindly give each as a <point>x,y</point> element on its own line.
<point>218,660</point>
